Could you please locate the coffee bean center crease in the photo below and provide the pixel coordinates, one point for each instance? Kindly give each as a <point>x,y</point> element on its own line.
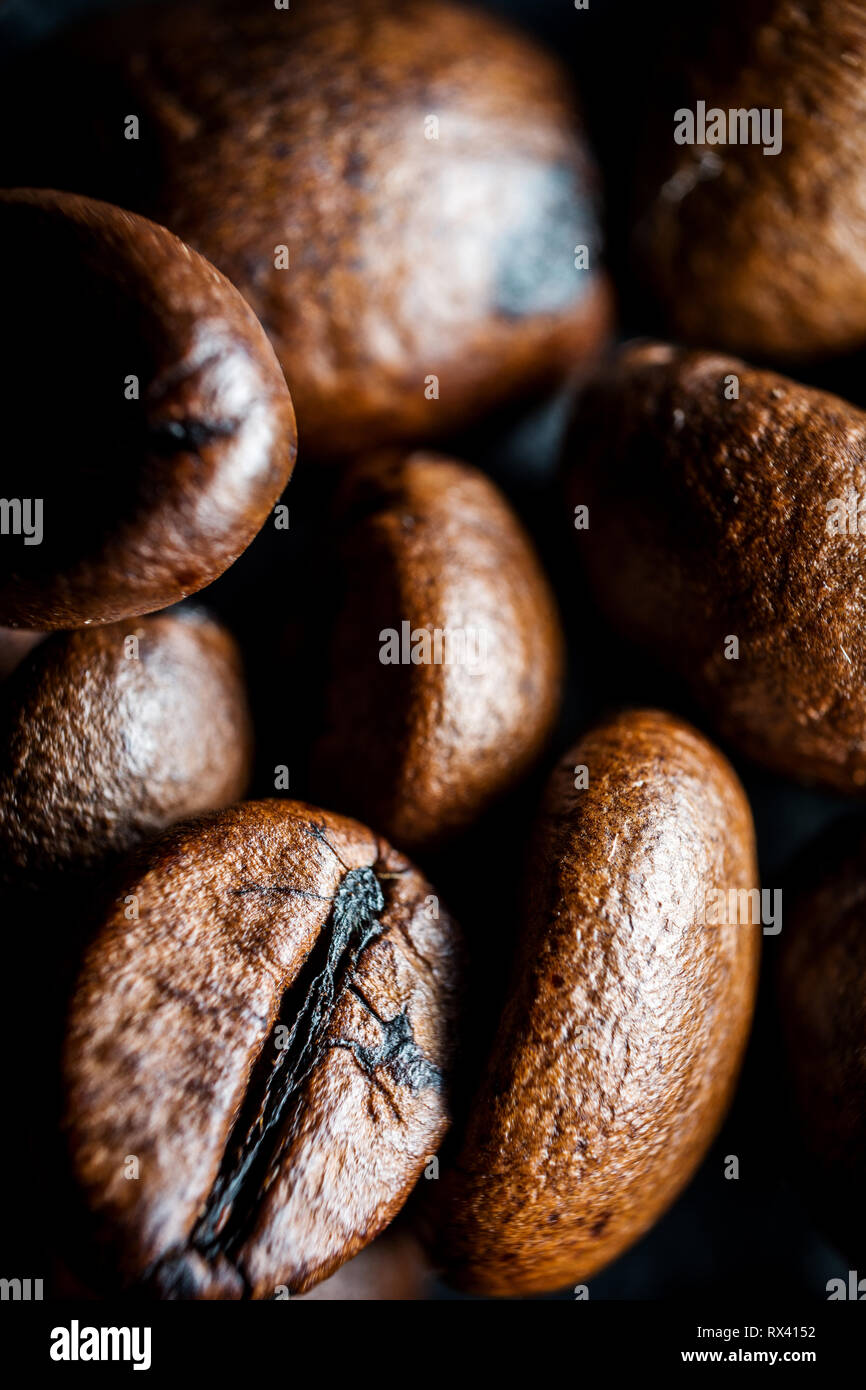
<point>265,1122</point>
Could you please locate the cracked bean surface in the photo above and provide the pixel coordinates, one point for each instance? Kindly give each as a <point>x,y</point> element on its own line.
<point>269,1041</point>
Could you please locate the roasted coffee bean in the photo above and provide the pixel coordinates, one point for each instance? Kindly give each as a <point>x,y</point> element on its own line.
<point>110,734</point>
<point>721,538</point>
<point>622,1037</point>
<point>266,1045</point>
<point>822,982</point>
<point>446,663</point>
<point>400,189</point>
<point>147,426</point>
<point>752,217</point>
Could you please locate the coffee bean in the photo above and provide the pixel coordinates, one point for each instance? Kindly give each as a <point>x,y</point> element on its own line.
<point>399,190</point>
<point>724,539</point>
<point>264,1049</point>
<point>446,662</point>
<point>622,1037</point>
<point>748,242</point>
<point>147,426</point>
<point>108,735</point>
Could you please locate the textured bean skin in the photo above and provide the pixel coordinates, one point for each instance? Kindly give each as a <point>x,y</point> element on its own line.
<point>409,256</point>
<point>100,749</point>
<point>763,254</point>
<point>151,420</point>
<point>421,749</point>
<point>621,1040</point>
<point>174,1023</point>
<point>712,518</point>
<point>822,991</point>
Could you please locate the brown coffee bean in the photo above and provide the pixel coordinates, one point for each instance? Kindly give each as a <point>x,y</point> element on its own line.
<point>147,426</point>
<point>720,537</point>
<point>399,189</point>
<point>109,735</point>
<point>254,1068</point>
<point>447,657</point>
<point>822,982</point>
<point>622,1037</point>
<point>752,241</point>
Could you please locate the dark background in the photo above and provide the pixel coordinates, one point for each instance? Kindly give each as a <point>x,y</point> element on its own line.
<point>749,1238</point>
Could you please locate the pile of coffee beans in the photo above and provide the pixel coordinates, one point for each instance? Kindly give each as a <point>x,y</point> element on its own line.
<point>368,842</point>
